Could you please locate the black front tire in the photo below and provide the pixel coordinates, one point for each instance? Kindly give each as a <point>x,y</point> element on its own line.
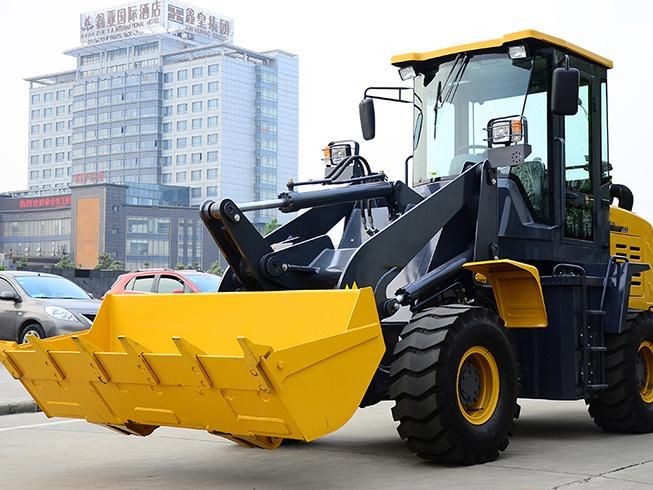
<point>32,329</point>
<point>425,387</point>
<point>622,408</point>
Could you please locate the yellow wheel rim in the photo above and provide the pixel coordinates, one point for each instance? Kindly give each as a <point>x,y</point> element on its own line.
<point>645,370</point>
<point>477,385</point>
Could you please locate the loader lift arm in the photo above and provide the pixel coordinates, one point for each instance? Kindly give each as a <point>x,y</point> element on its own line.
<point>257,267</point>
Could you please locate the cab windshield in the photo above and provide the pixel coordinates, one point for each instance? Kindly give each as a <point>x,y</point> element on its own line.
<point>455,100</point>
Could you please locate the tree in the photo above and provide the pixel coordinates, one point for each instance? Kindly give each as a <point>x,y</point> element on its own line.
<point>106,262</point>
<point>271,226</point>
<point>21,262</point>
<point>216,269</point>
<point>65,262</point>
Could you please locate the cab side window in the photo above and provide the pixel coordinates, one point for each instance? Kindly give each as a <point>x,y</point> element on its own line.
<point>5,286</point>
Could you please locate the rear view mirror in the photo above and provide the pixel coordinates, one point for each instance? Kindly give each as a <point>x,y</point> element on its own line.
<point>564,91</point>
<point>9,296</point>
<point>368,123</point>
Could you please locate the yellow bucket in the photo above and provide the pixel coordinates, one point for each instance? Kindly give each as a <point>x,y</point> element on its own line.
<point>255,367</point>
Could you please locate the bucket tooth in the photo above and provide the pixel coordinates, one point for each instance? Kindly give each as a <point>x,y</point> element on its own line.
<point>9,363</point>
<point>252,355</point>
<point>87,349</point>
<point>41,349</point>
<point>190,354</point>
<point>135,352</point>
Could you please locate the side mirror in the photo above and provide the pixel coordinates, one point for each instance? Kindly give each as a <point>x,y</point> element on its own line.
<point>366,113</point>
<point>9,296</point>
<point>564,91</point>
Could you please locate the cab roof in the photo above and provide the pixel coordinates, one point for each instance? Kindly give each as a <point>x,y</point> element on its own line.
<point>494,43</point>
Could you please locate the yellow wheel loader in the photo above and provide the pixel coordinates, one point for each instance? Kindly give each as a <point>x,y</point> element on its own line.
<point>511,267</point>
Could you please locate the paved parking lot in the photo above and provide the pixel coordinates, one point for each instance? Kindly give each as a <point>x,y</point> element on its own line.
<point>556,446</point>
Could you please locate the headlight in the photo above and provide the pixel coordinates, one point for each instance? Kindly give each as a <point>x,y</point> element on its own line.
<point>61,314</point>
<point>507,130</point>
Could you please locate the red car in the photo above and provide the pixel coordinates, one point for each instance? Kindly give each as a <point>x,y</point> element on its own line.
<point>165,281</point>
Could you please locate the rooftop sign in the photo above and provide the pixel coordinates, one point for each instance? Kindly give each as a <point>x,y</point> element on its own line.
<point>140,18</point>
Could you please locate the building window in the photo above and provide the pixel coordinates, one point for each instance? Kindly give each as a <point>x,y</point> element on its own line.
<point>47,173</point>
<point>61,110</point>
<point>181,142</point>
<point>47,143</point>
<point>34,174</point>
<point>167,94</point>
<point>212,173</point>
<point>211,156</point>
<point>166,144</point>
<point>195,158</point>
<point>34,129</point>
<point>36,98</point>
<point>212,104</point>
<point>47,97</point>
<point>197,123</point>
<point>212,87</point>
<point>180,177</point>
<point>196,141</point>
<point>181,159</point>
<point>167,77</point>
<point>34,145</point>
<point>166,178</point>
<point>166,161</point>
<point>58,172</point>
<point>213,69</point>
<point>182,91</point>
<point>47,127</point>
<point>61,95</point>
<point>212,121</point>
<point>182,75</point>
<point>197,106</point>
<point>36,114</point>
<point>212,139</point>
<point>47,112</point>
<point>197,72</point>
<point>59,157</point>
<point>166,110</point>
<point>182,108</point>
<point>182,125</point>
<point>195,192</point>
<point>196,175</point>
<point>34,159</point>
<point>60,126</point>
<point>59,141</point>
<point>47,158</point>
<point>196,89</point>
<point>167,127</point>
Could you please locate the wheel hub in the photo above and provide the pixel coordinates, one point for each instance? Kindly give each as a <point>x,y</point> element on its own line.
<point>644,370</point>
<point>477,385</point>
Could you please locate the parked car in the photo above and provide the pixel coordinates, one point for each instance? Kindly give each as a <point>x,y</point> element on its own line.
<point>165,281</point>
<point>42,305</point>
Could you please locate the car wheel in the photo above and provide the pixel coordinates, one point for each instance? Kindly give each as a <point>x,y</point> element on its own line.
<point>31,330</point>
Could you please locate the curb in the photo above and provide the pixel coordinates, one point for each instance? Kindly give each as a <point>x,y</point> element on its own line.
<point>19,407</point>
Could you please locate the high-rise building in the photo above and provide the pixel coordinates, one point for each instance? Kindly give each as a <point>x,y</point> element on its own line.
<point>161,96</point>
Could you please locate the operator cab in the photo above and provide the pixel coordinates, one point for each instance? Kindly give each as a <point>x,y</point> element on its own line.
<point>472,98</point>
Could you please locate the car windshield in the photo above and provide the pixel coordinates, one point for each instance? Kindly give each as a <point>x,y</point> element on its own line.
<point>206,283</point>
<point>455,100</point>
<point>47,287</point>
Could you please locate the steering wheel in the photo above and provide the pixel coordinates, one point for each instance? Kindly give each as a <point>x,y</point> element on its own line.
<point>462,149</point>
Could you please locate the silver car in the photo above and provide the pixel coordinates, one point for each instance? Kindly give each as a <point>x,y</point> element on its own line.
<point>42,305</point>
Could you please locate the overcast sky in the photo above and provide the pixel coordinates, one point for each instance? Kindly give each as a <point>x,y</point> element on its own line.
<point>345,46</point>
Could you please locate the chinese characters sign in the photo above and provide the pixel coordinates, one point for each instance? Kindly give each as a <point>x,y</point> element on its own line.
<point>152,17</point>
<point>88,178</point>
<point>45,202</point>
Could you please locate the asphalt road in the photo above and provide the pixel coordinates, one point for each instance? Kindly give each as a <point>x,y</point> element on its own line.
<point>557,445</point>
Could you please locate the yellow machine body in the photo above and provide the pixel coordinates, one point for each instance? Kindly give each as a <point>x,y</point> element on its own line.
<point>632,237</point>
<point>255,367</point>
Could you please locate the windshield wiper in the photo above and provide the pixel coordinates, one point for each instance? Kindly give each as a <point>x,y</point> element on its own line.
<point>439,101</point>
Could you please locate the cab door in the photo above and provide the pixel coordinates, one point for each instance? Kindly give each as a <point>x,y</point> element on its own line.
<point>579,191</point>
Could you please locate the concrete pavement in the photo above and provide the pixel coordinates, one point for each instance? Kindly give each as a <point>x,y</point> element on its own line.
<point>13,397</point>
<point>556,446</point>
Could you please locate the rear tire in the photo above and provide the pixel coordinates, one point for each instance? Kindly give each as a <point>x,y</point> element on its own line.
<point>33,329</point>
<point>627,405</point>
<point>454,381</point>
